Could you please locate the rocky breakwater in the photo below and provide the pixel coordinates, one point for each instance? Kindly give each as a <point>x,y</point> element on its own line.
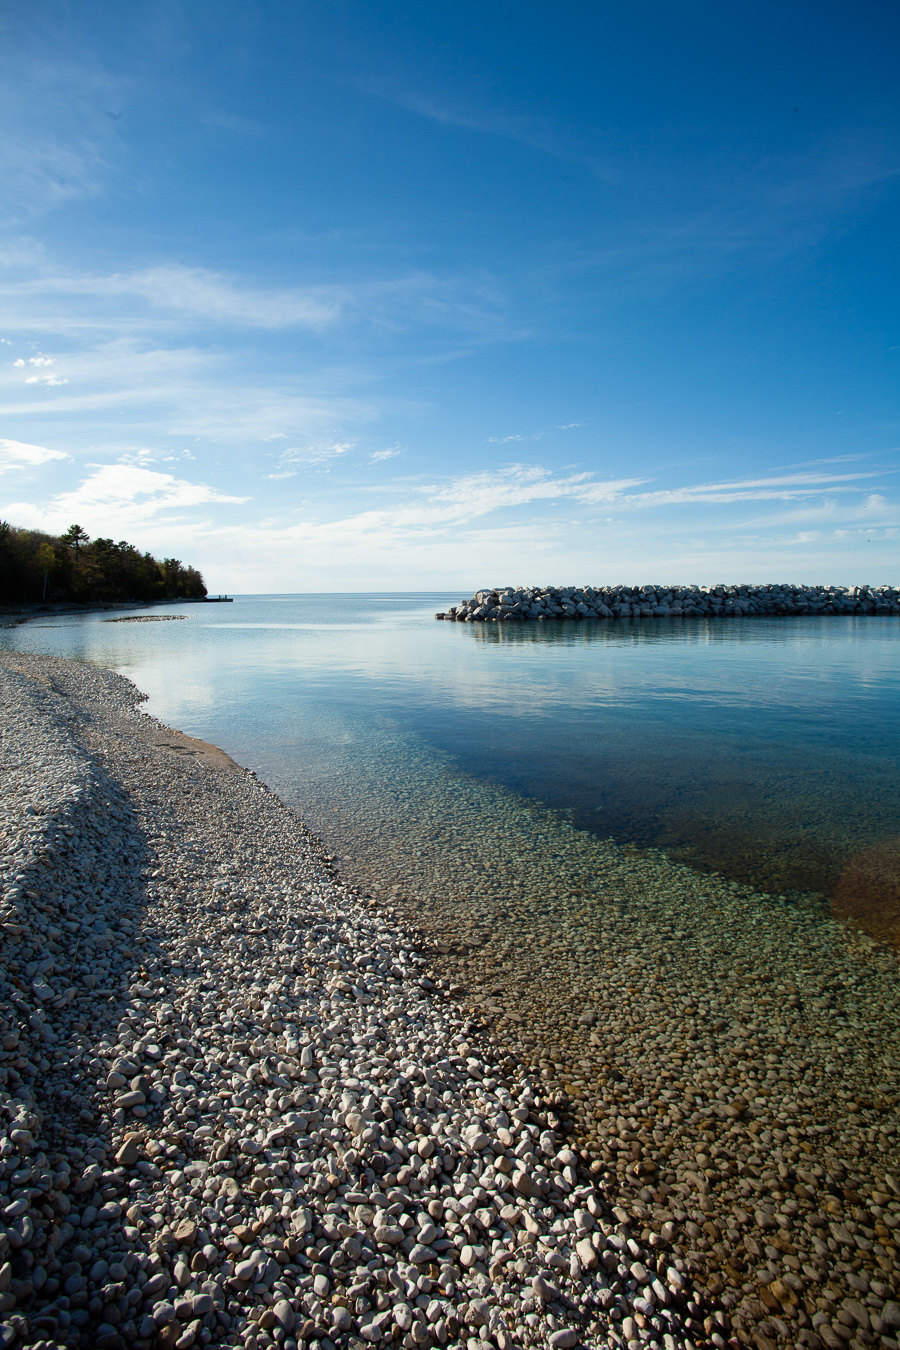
<point>235,1108</point>
<point>512,603</point>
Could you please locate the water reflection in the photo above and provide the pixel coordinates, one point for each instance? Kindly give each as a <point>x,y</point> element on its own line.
<point>764,748</point>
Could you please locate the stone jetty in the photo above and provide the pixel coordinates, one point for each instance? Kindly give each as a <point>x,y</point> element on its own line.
<point>236,1106</point>
<point>508,604</point>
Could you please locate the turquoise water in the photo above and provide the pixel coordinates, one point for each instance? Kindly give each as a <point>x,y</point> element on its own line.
<point>765,749</point>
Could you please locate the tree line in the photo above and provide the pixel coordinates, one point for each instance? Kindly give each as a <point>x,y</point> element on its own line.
<point>71,567</point>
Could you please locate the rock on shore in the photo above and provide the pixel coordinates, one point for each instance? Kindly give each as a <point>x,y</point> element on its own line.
<point>234,1108</point>
<point>509,603</point>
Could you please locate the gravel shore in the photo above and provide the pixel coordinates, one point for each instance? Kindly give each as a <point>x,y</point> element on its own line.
<point>235,1107</point>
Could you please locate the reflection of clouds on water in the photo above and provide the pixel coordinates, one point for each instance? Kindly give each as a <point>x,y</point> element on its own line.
<point>765,661</point>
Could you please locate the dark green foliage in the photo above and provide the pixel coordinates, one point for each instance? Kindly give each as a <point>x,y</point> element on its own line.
<point>35,567</point>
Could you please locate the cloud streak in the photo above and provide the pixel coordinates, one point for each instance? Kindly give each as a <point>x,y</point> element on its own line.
<point>123,494</point>
<point>524,128</point>
<point>780,487</point>
<point>21,455</point>
<point>291,461</point>
<point>482,523</point>
<point>485,524</point>
<point>127,391</point>
<point>172,295</point>
<point>59,147</point>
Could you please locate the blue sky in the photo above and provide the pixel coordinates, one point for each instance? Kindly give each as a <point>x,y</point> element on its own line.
<point>337,296</point>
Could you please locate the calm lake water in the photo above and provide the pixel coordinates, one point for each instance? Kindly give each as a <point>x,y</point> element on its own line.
<point>639,854</point>
<point>765,749</point>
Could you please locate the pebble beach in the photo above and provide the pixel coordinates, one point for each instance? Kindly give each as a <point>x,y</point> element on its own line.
<point>237,1108</point>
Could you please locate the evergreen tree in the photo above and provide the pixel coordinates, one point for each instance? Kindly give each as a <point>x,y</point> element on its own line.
<point>76,536</point>
<point>36,567</point>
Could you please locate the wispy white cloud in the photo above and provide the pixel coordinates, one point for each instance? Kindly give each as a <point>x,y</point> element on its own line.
<point>496,523</point>
<point>124,366</point>
<point>121,360</point>
<point>140,455</point>
<point>379,456</point>
<point>780,487</point>
<point>41,173</point>
<point>119,495</point>
<point>21,455</point>
<point>195,293</point>
<point>470,495</point>
<point>875,508</point>
<point>449,508</point>
<point>60,146</point>
<point>172,295</point>
<point>129,391</point>
<point>451,504</point>
<point>481,117</point>
<point>830,459</point>
<point>757,208</point>
<point>518,484</point>
<point>248,412</point>
<point>201,294</point>
<point>291,461</point>
<point>532,435</point>
<point>748,213</point>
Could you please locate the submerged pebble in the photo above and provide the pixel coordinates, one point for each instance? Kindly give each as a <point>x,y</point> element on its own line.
<point>728,1059</point>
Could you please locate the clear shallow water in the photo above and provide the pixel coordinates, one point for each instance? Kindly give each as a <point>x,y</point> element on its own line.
<point>765,749</point>
<point>713,1043</point>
